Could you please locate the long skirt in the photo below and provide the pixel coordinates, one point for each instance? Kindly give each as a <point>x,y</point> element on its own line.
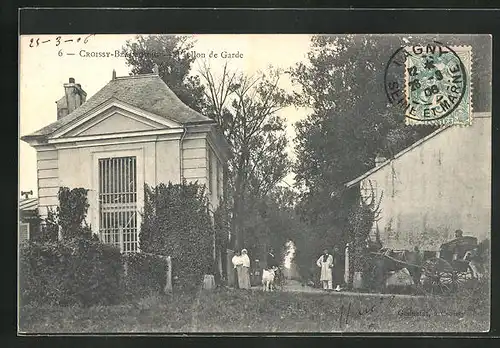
<point>243,277</point>
<point>338,275</point>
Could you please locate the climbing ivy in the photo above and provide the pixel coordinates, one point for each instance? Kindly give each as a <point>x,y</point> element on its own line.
<point>176,222</point>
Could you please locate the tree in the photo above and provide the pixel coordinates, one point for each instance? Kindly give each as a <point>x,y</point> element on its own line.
<point>171,53</point>
<point>246,108</point>
<point>351,123</point>
<point>342,82</point>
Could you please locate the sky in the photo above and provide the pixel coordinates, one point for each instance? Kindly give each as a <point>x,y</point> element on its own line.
<point>48,61</point>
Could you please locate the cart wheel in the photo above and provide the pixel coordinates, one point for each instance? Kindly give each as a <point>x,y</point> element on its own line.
<point>439,277</point>
<point>463,274</point>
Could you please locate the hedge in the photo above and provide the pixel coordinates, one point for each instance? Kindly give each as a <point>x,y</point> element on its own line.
<point>145,274</point>
<point>69,272</point>
<point>176,222</point>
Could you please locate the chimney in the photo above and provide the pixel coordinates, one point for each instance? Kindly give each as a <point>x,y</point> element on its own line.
<point>113,77</point>
<point>74,96</point>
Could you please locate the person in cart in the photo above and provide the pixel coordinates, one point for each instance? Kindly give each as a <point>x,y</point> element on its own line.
<point>456,248</point>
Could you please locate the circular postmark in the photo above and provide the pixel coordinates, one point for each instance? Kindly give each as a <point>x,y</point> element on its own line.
<point>427,81</point>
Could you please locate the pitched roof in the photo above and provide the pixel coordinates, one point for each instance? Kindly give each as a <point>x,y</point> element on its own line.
<point>147,92</point>
<point>28,204</point>
<point>475,115</point>
<point>399,154</point>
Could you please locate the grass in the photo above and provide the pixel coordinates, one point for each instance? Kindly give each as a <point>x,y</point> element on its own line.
<point>255,311</point>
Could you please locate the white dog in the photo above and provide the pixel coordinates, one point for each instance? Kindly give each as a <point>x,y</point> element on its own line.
<point>474,264</point>
<point>268,278</point>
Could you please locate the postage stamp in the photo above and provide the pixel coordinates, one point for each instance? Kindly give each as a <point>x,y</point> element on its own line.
<point>437,84</point>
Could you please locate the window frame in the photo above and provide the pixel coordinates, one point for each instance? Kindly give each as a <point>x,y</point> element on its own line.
<point>138,153</point>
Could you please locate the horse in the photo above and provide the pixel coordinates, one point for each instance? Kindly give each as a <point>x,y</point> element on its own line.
<point>388,260</point>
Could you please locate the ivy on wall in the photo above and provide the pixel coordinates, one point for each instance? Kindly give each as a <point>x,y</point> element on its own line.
<point>68,217</point>
<point>176,222</point>
<point>72,211</point>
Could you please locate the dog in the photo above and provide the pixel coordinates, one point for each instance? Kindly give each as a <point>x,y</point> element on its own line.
<point>474,263</point>
<point>268,278</point>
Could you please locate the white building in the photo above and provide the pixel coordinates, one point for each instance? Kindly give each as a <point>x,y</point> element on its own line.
<point>439,184</point>
<point>133,131</point>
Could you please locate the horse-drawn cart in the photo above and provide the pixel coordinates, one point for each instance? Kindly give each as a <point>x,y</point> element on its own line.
<point>443,273</point>
<point>449,270</point>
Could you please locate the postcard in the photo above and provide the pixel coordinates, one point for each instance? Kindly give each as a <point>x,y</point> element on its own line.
<point>271,183</point>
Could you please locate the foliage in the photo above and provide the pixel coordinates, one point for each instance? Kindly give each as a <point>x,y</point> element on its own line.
<point>351,122</point>
<point>222,224</point>
<point>349,125</point>
<point>246,108</point>
<point>74,271</point>
<point>50,227</point>
<point>145,274</point>
<point>171,53</point>
<point>176,223</point>
<point>72,211</point>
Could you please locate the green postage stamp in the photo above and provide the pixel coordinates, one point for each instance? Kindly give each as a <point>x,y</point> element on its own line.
<point>437,84</point>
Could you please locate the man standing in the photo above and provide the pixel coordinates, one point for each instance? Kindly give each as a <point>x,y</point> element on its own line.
<point>272,262</point>
<point>271,259</point>
<point>325,262</point>
<point>337,268</point>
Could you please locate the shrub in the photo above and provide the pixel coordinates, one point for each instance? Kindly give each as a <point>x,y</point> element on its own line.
<point>176,223</point>
<point>72,211</point>
<point>68,217</point>
<point>50,227</point>
<point>69,272</point>
<point>146,274</point>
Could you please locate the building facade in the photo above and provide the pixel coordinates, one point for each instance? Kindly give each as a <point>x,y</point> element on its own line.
<point>438,185</point>
<point>28,218</point>
<point>134,131</point>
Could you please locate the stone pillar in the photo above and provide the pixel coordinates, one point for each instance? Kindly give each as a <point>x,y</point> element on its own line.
<point>168,283</point>
<point>346,265</point>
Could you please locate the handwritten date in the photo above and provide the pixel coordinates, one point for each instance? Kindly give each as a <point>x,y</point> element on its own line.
<point>58,40</point>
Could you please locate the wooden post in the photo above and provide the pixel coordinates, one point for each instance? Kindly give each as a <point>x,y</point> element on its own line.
<point>168,284</point>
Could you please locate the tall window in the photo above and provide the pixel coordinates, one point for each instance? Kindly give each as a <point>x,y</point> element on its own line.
<point>118,202</point>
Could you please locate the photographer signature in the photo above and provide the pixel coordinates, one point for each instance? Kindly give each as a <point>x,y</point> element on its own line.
<point>346,311</point>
